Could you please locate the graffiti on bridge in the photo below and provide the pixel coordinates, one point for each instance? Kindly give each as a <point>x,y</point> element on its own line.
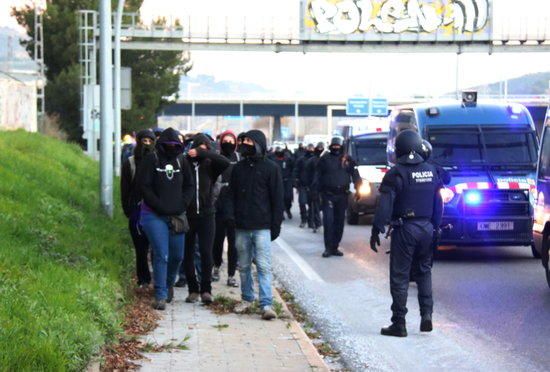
<point>445,17</point>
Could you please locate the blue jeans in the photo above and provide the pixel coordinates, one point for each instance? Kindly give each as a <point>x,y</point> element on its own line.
<point>168,252</point>
<point>255,244</point>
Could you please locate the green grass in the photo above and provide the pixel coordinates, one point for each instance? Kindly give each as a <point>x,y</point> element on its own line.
<point>64,266</point>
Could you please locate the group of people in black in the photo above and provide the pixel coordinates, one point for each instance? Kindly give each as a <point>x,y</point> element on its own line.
<point>184,196</point>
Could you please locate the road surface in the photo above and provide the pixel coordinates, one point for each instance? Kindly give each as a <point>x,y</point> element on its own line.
<point>492,304</point>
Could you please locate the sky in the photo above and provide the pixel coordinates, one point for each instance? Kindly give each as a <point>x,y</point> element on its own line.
<point>341,74</point>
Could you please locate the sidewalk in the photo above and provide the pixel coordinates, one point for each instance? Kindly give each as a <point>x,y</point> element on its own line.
<point>201,340</point>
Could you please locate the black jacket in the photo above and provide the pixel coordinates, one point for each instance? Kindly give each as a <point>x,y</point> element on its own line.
<point>334,173</point>
<point>206,168</point>
<point>223,202</point>
<point>300,170</point>
<point>256,189</point>
<point>130,195</point>
<point>166,182</point>
<point>310,167</point>
<point>286,163</point>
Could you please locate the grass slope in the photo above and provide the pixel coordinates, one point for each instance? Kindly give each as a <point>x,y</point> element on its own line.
<point>63,264</point>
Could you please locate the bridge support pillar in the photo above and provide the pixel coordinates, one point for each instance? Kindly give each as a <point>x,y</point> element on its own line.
<point>276,135</point>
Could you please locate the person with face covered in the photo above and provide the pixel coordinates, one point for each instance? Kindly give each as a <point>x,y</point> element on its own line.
<point>284,160</point>
<point>166,183</point>
<point>314,202</point>
<point>333,175</point>
<point>225,226</point>
<point>130,197</point>
<point>256,205</point>
<point>207,166</point>
<point>302,184</point>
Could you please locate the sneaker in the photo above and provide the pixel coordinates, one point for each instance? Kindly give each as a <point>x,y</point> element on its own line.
<point>315,230</point>
<point>395,330</point>
<point>192,298</point>
<point>232,282</point>
<point>337,252</point>
<point>326,253</point>
<point>268,313</point>
<point>302,225</point>
<point>216,274</point>
<point>159,304</point>
<point>182,282</point>
<point>242,307</point>
<point>206,298</point>
<point>426,324</point>
<point>170,295</point>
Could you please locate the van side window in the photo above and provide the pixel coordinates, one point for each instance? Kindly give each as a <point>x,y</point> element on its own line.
<point>544,165</point>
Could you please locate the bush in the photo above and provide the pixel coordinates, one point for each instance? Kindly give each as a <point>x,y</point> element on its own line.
<point>63,264</point>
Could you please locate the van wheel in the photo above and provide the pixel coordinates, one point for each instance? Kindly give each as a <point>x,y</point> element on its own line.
<point>352,217</point>
<point>534,251</point>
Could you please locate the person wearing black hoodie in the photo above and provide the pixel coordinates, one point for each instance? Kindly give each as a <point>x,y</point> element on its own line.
<point>302,184</point>
<point>284,159</point>
<point>256,205</point>
<point>207,166</point>
<point>166,183</point>
<point>314,202</point>
<point>224,224</point>
<point>130,197</point>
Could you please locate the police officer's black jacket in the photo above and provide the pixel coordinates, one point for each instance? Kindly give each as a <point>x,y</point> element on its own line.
<point>310,167</point>
<point>286,164</point>
<point>256,189</point>
<point>206,167</point>
<point>408,192</point>
<point>334,173</point>
<point>300,170</point>
<point>166,183</point>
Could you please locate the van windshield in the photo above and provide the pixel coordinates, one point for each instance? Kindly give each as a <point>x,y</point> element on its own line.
<point>370,151</point>
<point>471,147</point>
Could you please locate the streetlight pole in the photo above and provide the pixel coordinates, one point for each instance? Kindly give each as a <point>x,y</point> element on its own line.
<point>117,85</point>
<point>106,106</point>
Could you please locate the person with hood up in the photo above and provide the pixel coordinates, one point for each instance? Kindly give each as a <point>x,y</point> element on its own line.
<point>166,184</point>
<point>302,184</point>
<point>333,175</point>
<point>130,197</point>
<point>256,205</point>
<point>224,224</point>
<point>207,166</point>
<point>283,158</point>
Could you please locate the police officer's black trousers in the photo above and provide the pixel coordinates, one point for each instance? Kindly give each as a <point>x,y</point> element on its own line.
<point>334,215</point>
<point>302,200</point>
<point>314,210</point>
<point>411,242</point>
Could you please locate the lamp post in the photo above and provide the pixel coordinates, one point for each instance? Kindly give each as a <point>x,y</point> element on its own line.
<point>106,106</point>
<point>117,85</point>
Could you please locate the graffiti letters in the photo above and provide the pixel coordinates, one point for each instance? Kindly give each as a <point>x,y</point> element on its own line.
<point>399,16</point>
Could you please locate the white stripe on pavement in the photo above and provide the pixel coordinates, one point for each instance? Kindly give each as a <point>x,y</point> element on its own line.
<point>299,261</point>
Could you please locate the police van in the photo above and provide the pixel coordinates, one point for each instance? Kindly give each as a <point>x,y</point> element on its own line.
<point>541,226</point>
<point>369,152</point>
<point>490,151</point>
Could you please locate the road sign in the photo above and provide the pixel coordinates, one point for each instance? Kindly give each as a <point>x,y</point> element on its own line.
<point>379,107</point>
<point>358,107</point>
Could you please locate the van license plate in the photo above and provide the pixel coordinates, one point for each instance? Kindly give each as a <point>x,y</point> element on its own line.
<point>495,226</point>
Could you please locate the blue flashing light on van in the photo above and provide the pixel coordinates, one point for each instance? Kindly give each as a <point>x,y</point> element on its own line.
<point>490,151</point>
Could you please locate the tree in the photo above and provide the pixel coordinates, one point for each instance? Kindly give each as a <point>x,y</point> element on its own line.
<point>155,74</point>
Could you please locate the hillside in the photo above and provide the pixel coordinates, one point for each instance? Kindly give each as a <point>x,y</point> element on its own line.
<point>63,264</point>
<point>532,84</point>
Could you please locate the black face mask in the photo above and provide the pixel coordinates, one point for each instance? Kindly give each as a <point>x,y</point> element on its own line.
<point>172,151</point>
<point>279,153</point>
<point>247,150</point>
<point>318,151</point>
<point>146,149</point>
<point>227,148</point>
<point>335,151</point>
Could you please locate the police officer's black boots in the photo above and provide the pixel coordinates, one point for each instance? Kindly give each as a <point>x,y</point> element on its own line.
<point>426,324</point>
<point>327,253</point>
<point>395,330</point>
<point>337,252</point>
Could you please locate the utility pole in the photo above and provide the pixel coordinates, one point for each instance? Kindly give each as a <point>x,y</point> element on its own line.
<point>106,106</point>
<point>39,59</point>
<point>117,85</point>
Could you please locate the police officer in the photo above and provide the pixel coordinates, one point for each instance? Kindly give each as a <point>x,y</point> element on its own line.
<point>333,175</point>
<point>410,202</point>
<point>283,158</point>
<point>313,200</point>
<point>302,184</point>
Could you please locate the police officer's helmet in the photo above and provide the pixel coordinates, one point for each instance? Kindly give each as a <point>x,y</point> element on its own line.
<point>320,145</point>
<point>337,141</point>
<point>408,146</point>
<point>427,149</point>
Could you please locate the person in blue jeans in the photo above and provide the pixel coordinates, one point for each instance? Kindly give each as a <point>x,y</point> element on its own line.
<point>256,206</point>
<point>167,188</point>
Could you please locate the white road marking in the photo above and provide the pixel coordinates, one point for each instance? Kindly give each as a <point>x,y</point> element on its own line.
<point>299,261</point>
